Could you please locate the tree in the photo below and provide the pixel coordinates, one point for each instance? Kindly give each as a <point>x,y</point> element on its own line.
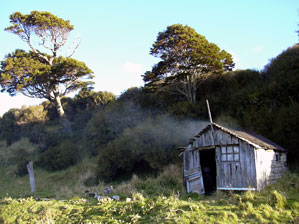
<point>88,99</point>
<point>187,58</point>
<point>285,63</point>
<point>40,74</point>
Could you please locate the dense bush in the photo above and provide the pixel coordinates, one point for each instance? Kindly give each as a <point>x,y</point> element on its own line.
<point>109,123</point>
<point>31,114</point>
<point>169,180</point>
<point>60,157</point>
<point>9,131</point>
<point>127,137</point>
<point>271,108</point>
<point>85,101</point>
<point>283,64</point>
<point>227,93</point>
<point>88,99</point>
<point>18,155</point>
<point>17,123</point>
<point>280,125</point>
<point>150,145</point>
<point>184,109</point>
<point>132,94</point>
<point>21,150</point>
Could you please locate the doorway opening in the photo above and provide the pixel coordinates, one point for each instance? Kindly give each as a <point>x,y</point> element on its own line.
<point>208,167</point>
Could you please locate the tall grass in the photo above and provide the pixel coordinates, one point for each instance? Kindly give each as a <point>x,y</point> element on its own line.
<point>155,199</point>
<point>268,206</point>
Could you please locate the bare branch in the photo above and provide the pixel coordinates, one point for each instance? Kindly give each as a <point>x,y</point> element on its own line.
<point>73,48</point>
<point>37,51</point>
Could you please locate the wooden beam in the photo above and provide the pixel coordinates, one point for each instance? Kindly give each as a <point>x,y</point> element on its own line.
<point>211,122</point>
<point>236,188</point>
<point>210,116</point>
<point>203,148</point>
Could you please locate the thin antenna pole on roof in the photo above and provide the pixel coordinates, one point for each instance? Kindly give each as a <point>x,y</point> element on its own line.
<point>211,122</point>
<point>210,116</point>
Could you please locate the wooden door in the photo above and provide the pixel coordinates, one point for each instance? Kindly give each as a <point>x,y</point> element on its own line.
<point>231,177</point>
<point>193,172</point>
<point>228,167</point>
<point>195,183</point>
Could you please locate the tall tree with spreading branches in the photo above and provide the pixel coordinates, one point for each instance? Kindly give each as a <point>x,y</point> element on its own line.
<point>187,59</point>
<point>41,72</point>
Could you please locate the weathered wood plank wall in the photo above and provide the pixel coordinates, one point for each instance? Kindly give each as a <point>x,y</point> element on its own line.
<point>269,169</point>
<point>240,174</point>
<point>256,168</point>
<point>231,174</point>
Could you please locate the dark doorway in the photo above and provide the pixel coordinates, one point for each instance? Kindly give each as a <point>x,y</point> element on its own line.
<point>208,167</point>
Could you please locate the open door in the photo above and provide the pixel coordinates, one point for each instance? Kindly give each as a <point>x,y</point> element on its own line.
<point>208,166</point>
<point>192,172</point>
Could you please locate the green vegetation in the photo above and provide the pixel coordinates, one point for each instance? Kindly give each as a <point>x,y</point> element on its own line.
<point>159,199</point>
<point>187,59</point>
<point>130,141</point>
<point>41,72</point>
<point>148,147</point>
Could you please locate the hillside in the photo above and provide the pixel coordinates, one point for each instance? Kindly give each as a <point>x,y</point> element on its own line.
<point>130,142</point>
<point>151,200</point>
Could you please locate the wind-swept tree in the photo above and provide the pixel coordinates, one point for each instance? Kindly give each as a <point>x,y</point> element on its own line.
<point>42,73</point>
<point>187,58</point>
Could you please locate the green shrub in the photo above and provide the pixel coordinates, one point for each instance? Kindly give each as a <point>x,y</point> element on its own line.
<point>285,63</point>
<point>184,109</point>
<point>60,157</point>
<point>18,155</point>
<point>152,143</point>
<point>277,199</point>
<point>87,99</point>
<point>19,151</point>
<point>166,182</point>
<point>9,130</point>
<point>130,95</point>
<point>31,114</point>
<point>108,123</point>
<point>171,177</point>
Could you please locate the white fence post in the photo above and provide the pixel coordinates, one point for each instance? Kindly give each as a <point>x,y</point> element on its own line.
<point>31,176</point>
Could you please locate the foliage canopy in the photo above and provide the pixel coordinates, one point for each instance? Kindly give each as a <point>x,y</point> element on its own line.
<point>187,58</point>
<point>42,74</point>
<point>32,76</point>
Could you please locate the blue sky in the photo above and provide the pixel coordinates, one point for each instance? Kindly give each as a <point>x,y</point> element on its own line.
<point>116,35</point>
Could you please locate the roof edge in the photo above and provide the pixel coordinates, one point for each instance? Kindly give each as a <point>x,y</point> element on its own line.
<point>232,132</point>
<point>248,141</point>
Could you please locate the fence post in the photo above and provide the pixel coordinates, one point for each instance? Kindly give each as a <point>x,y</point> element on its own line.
<point>31,176</point>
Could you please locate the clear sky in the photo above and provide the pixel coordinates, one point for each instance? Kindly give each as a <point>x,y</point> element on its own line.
<point>116,35</point>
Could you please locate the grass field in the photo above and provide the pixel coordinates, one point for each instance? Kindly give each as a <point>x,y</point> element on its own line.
<point>159,199</point>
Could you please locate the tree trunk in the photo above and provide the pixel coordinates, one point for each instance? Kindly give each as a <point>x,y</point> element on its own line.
<point>191,86</point>
<point>194,91</point>
<point>59,107</point>
<point>63,120</point>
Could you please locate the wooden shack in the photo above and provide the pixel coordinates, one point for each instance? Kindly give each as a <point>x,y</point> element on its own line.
<point>218,158</point>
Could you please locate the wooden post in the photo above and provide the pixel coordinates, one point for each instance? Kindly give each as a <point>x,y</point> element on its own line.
<point>211,122</point>
<point>31,176</point>
<point>210,116</point>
